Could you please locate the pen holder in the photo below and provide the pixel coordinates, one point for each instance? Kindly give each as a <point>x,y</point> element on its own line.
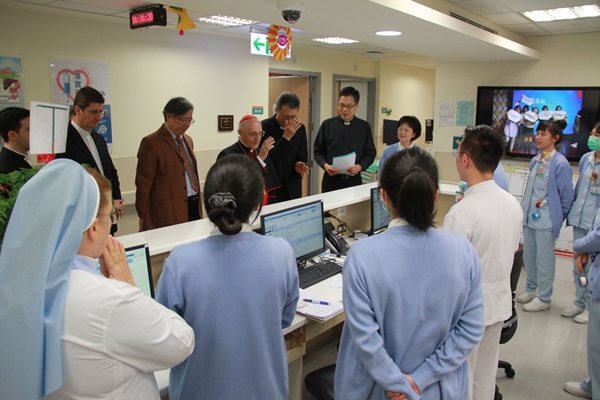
<point>582,281</point>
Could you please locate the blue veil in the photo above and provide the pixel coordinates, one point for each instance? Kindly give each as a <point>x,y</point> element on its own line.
<point>43,235</point>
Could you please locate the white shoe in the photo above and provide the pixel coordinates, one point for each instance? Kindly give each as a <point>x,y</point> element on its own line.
<point>572,311</point>
<point>526,297</point>
<point>536,305</point>
<point>575,389</point>
<point>582,318</point>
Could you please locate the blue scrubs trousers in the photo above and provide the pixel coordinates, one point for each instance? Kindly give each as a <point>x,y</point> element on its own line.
<point>592,383</point>
<point>540,261</point>
<point>581,293</point>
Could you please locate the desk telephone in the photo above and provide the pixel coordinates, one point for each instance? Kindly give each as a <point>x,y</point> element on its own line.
<point>334,240</point>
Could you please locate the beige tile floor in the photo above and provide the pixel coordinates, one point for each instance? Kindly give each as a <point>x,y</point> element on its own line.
<point>546,351</point>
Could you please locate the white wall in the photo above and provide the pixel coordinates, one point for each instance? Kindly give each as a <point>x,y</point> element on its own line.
<point>567,60</point>
<point>217,74</point>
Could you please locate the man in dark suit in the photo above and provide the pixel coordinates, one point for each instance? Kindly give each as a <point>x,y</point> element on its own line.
<point>168,188</point>
<point>290,153</point>
<point>14,129</point>
<point>250,131</point>
<point>86,146</point>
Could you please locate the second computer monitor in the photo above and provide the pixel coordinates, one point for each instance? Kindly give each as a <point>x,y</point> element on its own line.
<point>301,226</point>
<point>380,217</point>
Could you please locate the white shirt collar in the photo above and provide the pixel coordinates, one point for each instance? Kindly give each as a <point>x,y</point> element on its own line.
<point>81,131</point>
<point>397,222</point>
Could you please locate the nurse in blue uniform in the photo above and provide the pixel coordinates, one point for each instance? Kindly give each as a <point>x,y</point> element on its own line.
<point>237,289</point>
<point>546,203</point>
<point>587,200</point>
<point>412,297</point>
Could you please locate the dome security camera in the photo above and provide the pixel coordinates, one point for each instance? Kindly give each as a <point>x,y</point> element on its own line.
<point>291,13</point>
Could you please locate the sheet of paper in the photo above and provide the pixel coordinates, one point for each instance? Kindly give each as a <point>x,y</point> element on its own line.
<point>337,281</point>
<point>344,162</point>
<point>446,113</point>
<point>48,125</point>
<point>558,115</point>
<point>545,115</point>
<point>531,116</point>
<point>514,116</point>
<point>321,312</point>
<point>526,100</point>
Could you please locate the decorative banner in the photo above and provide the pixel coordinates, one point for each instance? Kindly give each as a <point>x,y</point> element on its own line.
<point>279,41</point>
<point>184,22</point>
<point>11,81</point>
<point>67,76</point>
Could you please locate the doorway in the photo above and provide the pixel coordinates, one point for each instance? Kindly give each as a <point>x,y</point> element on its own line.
<point>307,86</point>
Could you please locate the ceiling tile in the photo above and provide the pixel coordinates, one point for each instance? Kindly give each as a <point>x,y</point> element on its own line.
<point>526,28</point>
<point>521,5</point>
<point>35,1</point>
<point>481,6</point>
<point>507,18</point>
<point>85,8</point>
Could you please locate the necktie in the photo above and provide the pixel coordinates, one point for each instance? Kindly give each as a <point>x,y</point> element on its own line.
<point>187,164</point>
<point>251,154</point>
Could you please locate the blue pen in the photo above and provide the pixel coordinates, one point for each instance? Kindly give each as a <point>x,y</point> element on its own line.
<point>325,303</point>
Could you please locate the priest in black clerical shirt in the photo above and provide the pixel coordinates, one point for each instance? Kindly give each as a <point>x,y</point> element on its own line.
<point>290,153</point>
<point>342,136</point>
<point>251,132</point>
<point>14,129</point>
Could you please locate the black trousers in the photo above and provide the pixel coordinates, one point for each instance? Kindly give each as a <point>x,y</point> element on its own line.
<point>339,181</point>
<point>193,208</point>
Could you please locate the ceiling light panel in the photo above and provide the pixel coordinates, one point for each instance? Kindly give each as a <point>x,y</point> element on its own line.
<point>563,13</point>
<point>224,20</point>
<point>335,40</point>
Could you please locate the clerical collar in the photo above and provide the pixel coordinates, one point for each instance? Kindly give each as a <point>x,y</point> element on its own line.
<point>79,129</point>
<point>245,148</point>
<point>16,152</point>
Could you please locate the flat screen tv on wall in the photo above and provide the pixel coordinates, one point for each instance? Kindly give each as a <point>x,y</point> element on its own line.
<point>578,106</point>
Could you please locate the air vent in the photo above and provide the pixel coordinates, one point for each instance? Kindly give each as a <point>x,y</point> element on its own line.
<point>468,21</point>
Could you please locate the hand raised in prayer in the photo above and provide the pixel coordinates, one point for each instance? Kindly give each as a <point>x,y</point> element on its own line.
<point>113,262</point>
<point>267,145</point>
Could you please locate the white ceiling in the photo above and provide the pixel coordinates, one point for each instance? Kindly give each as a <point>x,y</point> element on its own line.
<point>427,34</point>
<point>507,14</point>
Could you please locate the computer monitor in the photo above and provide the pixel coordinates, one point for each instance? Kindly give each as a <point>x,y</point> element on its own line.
<point>380,217</point>
<point>138,258</point>
<point>301,226</point>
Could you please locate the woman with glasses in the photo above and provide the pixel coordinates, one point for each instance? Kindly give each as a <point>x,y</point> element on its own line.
<point>237,289</point>
<point>412,316</point>
<point>68,329</point>
<point>546,203</point>
<point>409,130</point>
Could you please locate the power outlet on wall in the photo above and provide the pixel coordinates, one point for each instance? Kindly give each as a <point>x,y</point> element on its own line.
<point>341,211</point>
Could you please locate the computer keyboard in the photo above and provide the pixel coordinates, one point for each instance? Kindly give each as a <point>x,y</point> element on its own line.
<point>318,272</point>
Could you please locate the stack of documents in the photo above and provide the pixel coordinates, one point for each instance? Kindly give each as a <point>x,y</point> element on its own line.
<point>316,307</point>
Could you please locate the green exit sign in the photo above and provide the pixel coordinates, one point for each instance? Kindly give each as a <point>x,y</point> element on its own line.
<point>257,110</point>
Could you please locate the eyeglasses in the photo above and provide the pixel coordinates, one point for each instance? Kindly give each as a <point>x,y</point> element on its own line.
<point>97,113</point>
<point>254,135</point>
<point>186,120</point>
<point>456,152</point>
<point>346,106</point>
<point>115,215</point>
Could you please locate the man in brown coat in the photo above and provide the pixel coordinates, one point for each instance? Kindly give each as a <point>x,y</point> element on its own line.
<point>168,189</point>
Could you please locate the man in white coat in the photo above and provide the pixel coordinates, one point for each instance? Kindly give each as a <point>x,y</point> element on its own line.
<point>490,218</point>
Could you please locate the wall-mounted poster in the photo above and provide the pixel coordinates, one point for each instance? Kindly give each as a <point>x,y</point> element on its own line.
<point>67,76</point>
<point>11,81</point>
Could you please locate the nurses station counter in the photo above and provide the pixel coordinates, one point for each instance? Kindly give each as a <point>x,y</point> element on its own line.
<point>302,330</point>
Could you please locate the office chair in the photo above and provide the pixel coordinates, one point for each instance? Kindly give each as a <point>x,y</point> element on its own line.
<point>319,383</point>
<point>510,325</point>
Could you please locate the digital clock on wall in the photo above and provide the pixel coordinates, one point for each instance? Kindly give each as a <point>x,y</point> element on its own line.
<point>146,17</point>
